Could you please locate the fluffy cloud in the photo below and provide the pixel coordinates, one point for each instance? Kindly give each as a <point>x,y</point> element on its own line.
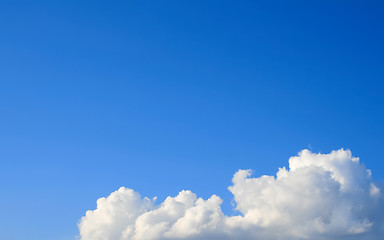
<point>320,196</point>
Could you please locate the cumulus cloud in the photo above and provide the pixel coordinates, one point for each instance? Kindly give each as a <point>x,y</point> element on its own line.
<point>321,196</point>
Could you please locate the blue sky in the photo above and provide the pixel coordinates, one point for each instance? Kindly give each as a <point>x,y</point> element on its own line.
<point>161,96</point>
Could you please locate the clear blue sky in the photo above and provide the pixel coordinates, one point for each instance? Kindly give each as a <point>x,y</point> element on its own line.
<point>161,96</point>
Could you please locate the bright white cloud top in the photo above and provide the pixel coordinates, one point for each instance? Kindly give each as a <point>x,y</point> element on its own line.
<point>321,196</point>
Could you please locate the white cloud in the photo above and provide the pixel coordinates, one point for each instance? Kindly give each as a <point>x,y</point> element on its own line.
<point>321,196</point>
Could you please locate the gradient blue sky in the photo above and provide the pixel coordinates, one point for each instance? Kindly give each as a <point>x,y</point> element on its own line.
<point>161,96</point>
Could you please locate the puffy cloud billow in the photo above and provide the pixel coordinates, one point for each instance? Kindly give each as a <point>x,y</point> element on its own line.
<point>320,197</point>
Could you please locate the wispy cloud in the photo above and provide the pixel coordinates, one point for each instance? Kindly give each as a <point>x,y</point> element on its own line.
<point>321,196</point>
